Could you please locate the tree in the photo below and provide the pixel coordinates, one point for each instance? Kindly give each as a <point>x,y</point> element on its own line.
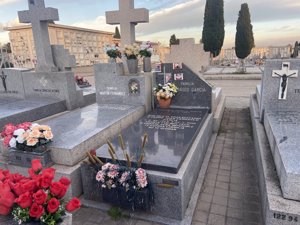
<point>117,33</point>
<point>244,40</point>
<point>296,50</point>
<point>174,40</point>
<point>213,28</point>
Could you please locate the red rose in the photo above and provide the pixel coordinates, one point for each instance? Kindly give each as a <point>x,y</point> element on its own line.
<point>49,170</point>
<point>40,197</point>
<point>53,205</point>
<point>56,188</point>
<point>16,177</point>
<point>73,205</point>
<point>30,186</point>
<point>36,165</point>
<point>63,192</point>
<point>46,179</point>
<point>65,181</point>
<point>7,140</point>
<point>2,176</point>
<point>24,126</point>
<point>7,199</point>
<point>9,129</point>
<point>18,189</point>
<point>36,211</point>
<point>24,200</point>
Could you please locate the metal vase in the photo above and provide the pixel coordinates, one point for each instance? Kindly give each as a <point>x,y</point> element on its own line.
<point>147,64</point>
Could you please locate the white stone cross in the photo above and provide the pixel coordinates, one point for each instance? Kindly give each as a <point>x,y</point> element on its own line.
<point>39,17</point>
<point>128,17</point>
<point>285,73</point>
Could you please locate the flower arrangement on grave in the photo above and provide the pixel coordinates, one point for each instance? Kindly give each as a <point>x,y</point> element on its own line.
<point>113,51</point>
<point>81,82</point>
<point>132,51</point>
<point>146,49</point>
<point>134,88</point>
<point>167,91</point>
<point>36,197</point>
<point>130,182</point>
<point>26,136</point>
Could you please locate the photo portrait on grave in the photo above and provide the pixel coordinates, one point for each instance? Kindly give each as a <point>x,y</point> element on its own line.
<point>168,77</point>
<point>158,67</point>
<point>178,76</point>
<point>177,66</point>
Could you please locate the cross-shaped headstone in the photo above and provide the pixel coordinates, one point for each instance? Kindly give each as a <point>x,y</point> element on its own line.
<point>39,17</point>
<point>285,73</point>
<point>128,17</point>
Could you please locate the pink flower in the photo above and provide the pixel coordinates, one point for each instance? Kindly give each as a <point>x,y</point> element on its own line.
<point>100,176</point>
<point>141,178</point>
<point>113,174</point>
<point>124,177</point>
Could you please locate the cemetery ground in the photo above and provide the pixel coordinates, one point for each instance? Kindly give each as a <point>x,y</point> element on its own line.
<point>230,193</point>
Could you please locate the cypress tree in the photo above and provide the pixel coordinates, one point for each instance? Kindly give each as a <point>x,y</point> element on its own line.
<point>213,28</point>
<point>296,50</point>
<point>244,40</point>
<point>174,40</point>
<point>117,33</point>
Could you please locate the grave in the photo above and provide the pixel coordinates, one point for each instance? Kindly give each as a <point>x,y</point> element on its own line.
<point>275,117</point>
<point>190,54</point>
<point>178,138</point>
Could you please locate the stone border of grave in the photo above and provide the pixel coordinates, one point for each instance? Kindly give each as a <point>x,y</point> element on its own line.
<point>276,209</point>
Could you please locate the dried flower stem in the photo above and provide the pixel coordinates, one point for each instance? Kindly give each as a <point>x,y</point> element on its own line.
<point>112,155</point>
<point>121,142</point>
<point>111,147</point>
<point>98,160</point>
<point>128,160</point>
<point>92,160</point>
<point>141,160</point>
<point>144,141</point>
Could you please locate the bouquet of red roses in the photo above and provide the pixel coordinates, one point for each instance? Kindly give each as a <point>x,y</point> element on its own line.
<point>36,197</point>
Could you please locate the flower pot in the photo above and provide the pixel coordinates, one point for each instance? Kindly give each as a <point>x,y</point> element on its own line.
<point>132,66</point>
<point>147,64</point>
<point>23,158</point>
<point>3,149</point>
<point>132,199</point>
<point>164,103</point>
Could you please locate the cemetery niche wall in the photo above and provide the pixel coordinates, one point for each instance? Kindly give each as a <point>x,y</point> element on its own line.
<point>275,117</point>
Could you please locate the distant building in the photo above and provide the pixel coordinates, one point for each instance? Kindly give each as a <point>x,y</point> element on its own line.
<point>85,44</point>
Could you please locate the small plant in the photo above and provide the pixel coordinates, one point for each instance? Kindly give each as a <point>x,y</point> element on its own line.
<point>146,49</point>
<point>167,91</point>
<point>113,51</point>
<point>115,213</point>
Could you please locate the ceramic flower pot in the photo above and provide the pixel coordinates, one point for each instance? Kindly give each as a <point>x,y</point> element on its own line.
<point>147,64</point>
<point>132,66</point>
<point>164,103</point>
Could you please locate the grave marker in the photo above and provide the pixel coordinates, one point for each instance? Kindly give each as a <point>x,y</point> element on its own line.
<point>128,17</point>
<point>39,17</point>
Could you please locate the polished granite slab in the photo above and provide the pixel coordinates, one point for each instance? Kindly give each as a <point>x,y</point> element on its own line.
<point>283,131</point>
<point>171,133</point>
<point>78,131</point>
<point>15,110</point>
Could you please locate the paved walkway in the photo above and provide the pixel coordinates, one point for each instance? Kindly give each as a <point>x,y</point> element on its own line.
<point>230,193</point>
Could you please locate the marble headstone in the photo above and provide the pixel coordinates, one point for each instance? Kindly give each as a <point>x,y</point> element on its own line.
<point>128,17</point>
<point>193,92</point>
<point>272,87</point>
<point>189,53</point>
<point>39,16</point>
<point>62,58</point>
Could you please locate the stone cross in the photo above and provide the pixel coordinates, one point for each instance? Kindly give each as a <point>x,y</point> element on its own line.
<point>39,17</point>
<point>128,17</point>
<point>285,73</point>
<point>3,78</point>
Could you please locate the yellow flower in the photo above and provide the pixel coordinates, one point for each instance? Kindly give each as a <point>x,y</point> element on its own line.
<point>48,135</point>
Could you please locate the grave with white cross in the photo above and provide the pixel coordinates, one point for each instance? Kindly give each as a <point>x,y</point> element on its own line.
<point>39,16</point>
<point>128,17</point>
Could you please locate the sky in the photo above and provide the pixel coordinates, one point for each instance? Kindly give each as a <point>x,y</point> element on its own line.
<point>274,22</point>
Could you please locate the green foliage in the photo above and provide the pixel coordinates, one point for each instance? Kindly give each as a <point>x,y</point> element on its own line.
<point>244,40</point>
<point>213,28</point>
<point>174,40</point>
<point>117,33</point>
<point>115,213</point>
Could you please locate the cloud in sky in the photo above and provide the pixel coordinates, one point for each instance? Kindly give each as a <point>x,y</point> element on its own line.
<point>7,2</point>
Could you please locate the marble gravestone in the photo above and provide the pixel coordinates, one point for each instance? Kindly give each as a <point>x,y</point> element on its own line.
<point>128,17</point>
<point>39,17</point>
<point>178,139</point>
<point>189,53</point>
<point>279,112</point>
<point>193,92</point>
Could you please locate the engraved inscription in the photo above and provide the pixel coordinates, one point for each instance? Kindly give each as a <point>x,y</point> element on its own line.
<point>280,216</point>
<point>170,122</point>
<point>112,91</point>
<point>46,90</point>
<point>297,91</point>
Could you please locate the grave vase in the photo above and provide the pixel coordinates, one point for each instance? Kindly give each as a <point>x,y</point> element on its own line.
<point>132,66</point>
<point>147,64</point>
<point>23,155</point>
<point>164,103</point>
